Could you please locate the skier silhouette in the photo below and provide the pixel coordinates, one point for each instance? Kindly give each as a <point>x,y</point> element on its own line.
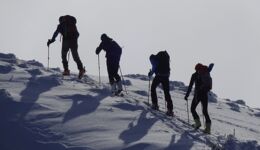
<point>67,28</point>
<point>113,54</point>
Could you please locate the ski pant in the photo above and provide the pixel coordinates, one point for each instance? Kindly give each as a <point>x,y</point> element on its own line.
<point>112,69</point>
<point>164,80</point>
<point>201,96</point>
<point>73,46</point>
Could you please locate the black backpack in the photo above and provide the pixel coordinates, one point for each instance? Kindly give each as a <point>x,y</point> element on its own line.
<point>163,67</point>
<point>68,27</point>
<point>206,80</point>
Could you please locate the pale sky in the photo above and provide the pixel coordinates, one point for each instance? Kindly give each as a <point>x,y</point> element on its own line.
<point>225,32</point>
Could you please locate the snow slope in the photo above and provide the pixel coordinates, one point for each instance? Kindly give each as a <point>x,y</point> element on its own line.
<point>40,110</point>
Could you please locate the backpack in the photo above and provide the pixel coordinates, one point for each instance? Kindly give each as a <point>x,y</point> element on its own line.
<point>163,67</point>
<point>116,48</point>
<point>68,27</point>
<point>205,78</point>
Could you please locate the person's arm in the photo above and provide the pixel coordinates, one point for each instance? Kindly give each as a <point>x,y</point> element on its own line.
<point>99,48</point>
<point>192,80</point>
<point>55,34</point>
<point>154,67</point>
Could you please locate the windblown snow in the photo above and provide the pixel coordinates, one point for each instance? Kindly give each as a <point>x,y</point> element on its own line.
<point>41,110</point>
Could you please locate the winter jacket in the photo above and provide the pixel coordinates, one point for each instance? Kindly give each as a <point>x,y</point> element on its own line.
<point>112,49</point>
<point>195,78</point>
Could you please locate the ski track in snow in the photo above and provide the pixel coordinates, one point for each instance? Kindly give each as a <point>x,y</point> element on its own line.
<point>39,109</point>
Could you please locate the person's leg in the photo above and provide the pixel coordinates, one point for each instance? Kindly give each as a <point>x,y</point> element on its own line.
<point>194,105</point>
<point>155,83</point>
<point>111,76</point>
<point>110,72</point>
<point>115,72</point>
<point>64,52</point>
<point>204,101</point>
<point>117,77</point>
<point>166,90</point>
<point>75,55</point>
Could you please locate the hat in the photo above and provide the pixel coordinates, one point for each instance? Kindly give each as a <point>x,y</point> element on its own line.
<point>61,19</point>
<point>152,57</point>
<point>198,66</point>
<point>103,37</point>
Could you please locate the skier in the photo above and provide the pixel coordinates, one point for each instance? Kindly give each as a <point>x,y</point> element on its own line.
<point>161,68</point>
<point>203,84</point>
<point>113,54</point>
<point>67,28</point>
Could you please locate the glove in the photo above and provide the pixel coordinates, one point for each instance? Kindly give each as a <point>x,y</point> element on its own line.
<point>98,50</point>
<point>49,42</point>
<point>150,74</point>
<point>186,98</point>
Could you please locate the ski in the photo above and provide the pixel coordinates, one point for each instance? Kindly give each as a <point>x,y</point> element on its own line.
<point>120,94</point>
<point>158,113</point>
<point>195,133</point>
<point>66,77</point>
<point>190,130</point>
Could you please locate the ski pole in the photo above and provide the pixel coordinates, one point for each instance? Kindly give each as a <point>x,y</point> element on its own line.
<point>99,70</point>
<point>123,79</point>
<point>48,58</point>
<point>202,115</point>
<point>149,89</point>
<point>188,112</point>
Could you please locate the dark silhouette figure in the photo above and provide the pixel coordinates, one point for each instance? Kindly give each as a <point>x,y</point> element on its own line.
<point>113,54</point>
<point>203,84</point>
<point>161,68</point>
<point>67,28</point>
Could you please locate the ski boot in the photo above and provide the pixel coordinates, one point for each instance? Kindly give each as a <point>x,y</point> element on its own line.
<point>119,86</point>
<point>170,113</point>
<point>66,72</point>
<point>197,124</point>
<point>113,89</point>
<point>155,107</point>
<point>208,128</point>
<point>119,93</point>
<point>81,73</point>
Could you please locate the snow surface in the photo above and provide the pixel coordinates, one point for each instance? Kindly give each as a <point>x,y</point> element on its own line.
<point>41,110</point>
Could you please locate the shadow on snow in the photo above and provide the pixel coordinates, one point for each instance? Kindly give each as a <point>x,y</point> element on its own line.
<point>35,87</point>
<point>84,104</point>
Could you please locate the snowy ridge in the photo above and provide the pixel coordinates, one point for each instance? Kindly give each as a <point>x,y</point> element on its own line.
<point>41,110</point>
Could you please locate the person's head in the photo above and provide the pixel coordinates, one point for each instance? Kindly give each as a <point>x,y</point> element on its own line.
<point>198,67</point>
<point>104,37</point>
<point>61,19</point>
<point>152,57</point>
